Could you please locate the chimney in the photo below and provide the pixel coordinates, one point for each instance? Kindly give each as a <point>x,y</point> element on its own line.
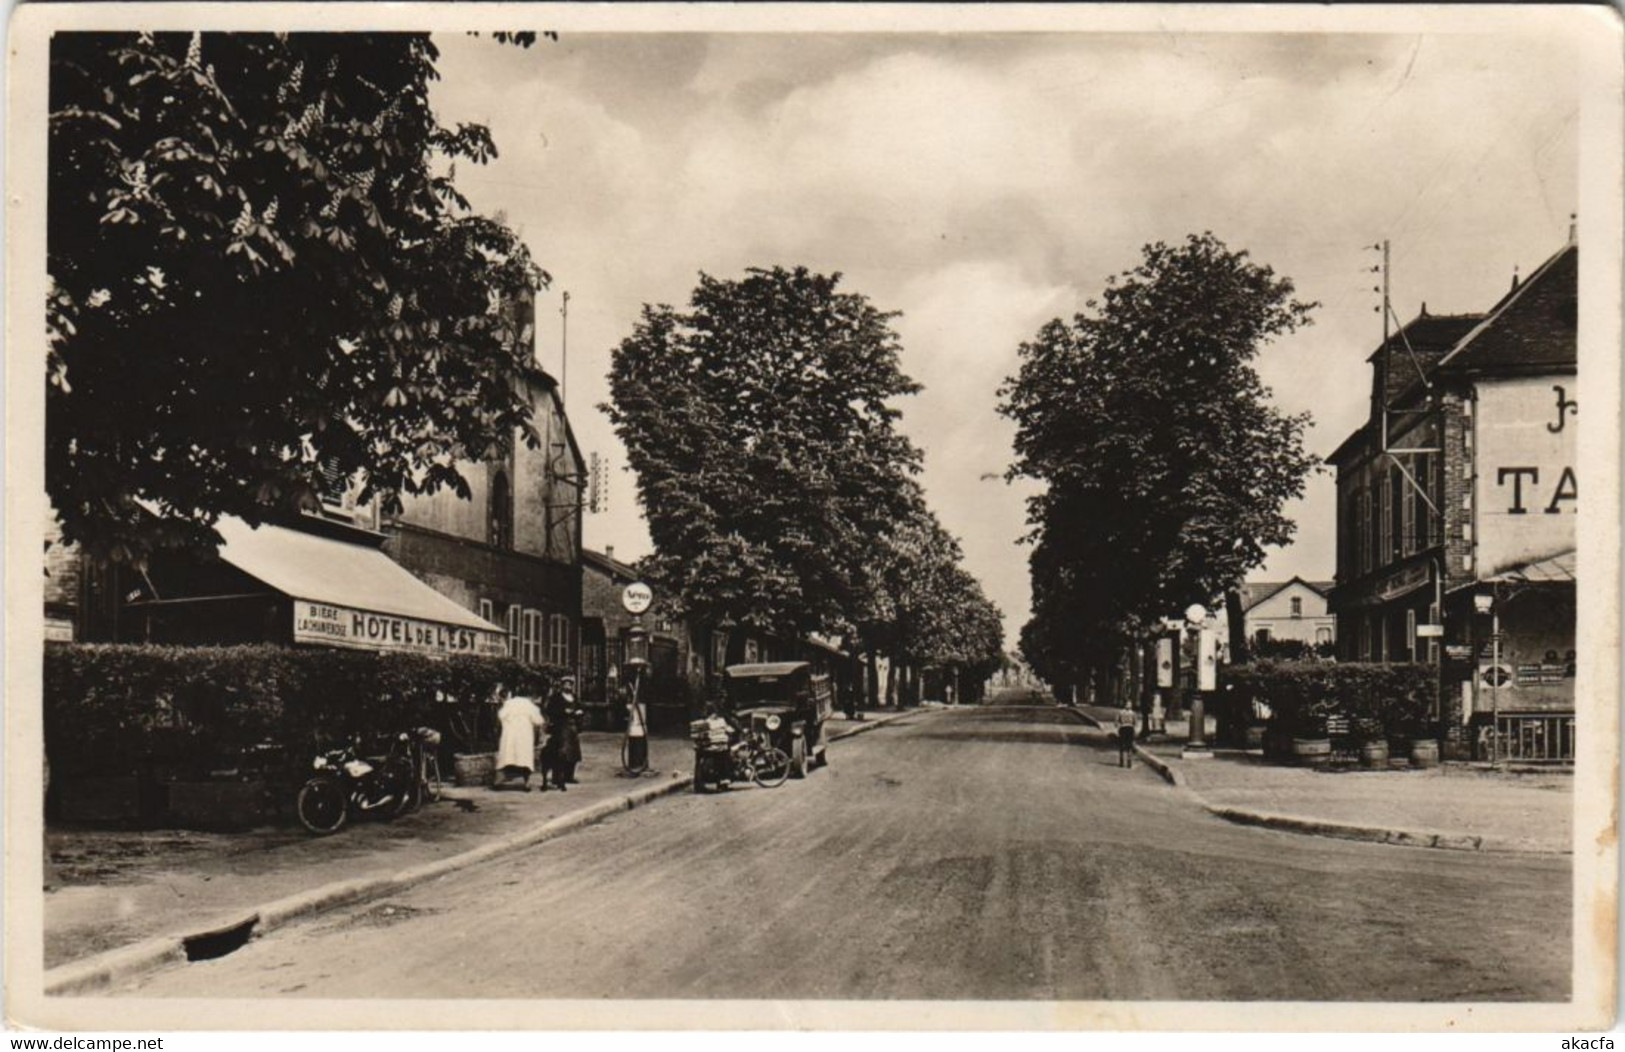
<point>1574,227</point>
<point>1424,308</point>
<point>1514,278</point>
<point>609,551</point>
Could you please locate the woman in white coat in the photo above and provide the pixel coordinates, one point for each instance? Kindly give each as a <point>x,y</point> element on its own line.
<point>516,750</point>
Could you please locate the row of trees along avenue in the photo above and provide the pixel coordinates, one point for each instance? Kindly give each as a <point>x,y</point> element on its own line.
<point>779,493</point>
<point>260,264</point>
<point>1165,465</point>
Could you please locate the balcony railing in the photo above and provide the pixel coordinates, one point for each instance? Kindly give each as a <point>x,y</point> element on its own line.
<point>1539,738</point>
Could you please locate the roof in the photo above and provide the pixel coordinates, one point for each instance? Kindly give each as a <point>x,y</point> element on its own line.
<point>1533,327</point>
<point>772,668</point>
<point>1430,332</point>
<point>612,566</point>
<point>320,569</point>
<point>1556,569</point>
<point>1256,592</point>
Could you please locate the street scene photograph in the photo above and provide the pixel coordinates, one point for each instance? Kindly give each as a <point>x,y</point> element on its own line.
<point>927,512</point>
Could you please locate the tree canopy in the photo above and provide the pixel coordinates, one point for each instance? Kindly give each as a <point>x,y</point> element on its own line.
<point>760,426</point>
<point>259,265</point>
<point>1166,465</point>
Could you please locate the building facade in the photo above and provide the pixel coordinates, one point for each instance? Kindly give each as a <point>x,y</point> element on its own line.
<point>1293,611</point>
<point>1456,515</point>
<point>511,551</point>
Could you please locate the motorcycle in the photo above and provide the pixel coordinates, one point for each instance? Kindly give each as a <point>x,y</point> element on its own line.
<point>346,784</point>
<point>723,755</point>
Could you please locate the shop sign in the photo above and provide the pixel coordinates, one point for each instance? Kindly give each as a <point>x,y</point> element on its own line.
<point>1535,674</point>
<point>342,626</point>
<point>1458,651</point>
<point>1497,676</point>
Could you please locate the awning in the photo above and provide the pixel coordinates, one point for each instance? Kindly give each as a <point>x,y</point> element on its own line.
<point>1558,569</point>
<point>351,595</point>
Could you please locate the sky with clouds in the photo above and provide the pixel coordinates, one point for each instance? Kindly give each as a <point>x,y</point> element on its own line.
<point>982,184</point>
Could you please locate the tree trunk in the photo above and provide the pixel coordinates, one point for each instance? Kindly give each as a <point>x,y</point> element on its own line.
<point>893,666</point>
<point>872,686</point>
<point>1238,626</point>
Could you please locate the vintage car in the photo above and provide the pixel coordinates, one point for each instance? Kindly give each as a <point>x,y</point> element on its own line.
<point>789,701</point>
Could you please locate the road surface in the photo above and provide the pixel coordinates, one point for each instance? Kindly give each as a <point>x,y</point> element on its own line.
<point>988,853</point>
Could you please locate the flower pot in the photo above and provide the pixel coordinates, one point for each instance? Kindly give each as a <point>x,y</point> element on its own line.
<point>1312,752</point>
<point>474,768</point>
<point>1255,736</point>
<point>1374,754</point>
<point>1425,753</point>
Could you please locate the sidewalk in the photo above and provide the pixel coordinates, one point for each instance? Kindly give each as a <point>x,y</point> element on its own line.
<point>1450,806</point>
<point>114,888</point>
<point>123,902</point>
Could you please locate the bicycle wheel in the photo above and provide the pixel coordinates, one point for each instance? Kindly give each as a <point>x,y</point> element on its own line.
<point>772,768</point>
<point>322,806</point>
<point>431,780</point>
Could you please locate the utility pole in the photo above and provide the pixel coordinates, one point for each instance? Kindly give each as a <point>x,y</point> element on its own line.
<point>564,352</point>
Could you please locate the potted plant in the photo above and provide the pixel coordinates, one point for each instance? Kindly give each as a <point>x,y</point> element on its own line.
<point>1373,741</point>
<point>471,734</point>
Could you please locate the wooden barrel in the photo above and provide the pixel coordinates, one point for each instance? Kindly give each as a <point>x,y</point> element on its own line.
<point>1312,752</point>
<point>1425,753</point>
<point>1374,754</point>
<point>478,768</point>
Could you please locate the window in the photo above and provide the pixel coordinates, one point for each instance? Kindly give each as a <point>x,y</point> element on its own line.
<point>500,513</point>
<point>531,645</point>
<point>1262,636</point>
<point>558,641</point>
<point>1323,635</point>
<point>1297,606</point>
<point>513,632</point>
<point>1365,530</point>
<point>1385,523</point>
<point>1407,517</point>
<point>486,611</point>
<point>1410,634</point>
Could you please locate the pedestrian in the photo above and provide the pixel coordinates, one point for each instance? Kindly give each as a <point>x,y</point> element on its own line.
<point>1125,737</point>
<point>563,749</point>
<point>516,749</point>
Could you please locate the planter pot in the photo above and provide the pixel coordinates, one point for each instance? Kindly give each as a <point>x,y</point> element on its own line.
<point>474,768</point>
<point>1425,753</point>
<point>1312,752</point>
<point>1374,754</point>
<point>1254,738</point>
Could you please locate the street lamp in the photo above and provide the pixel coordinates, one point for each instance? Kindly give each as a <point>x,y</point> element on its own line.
<point>1484,603</point>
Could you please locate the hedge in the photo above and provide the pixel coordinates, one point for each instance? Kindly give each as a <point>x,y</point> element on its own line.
<point>113,709</point>
<point>1392,700</point>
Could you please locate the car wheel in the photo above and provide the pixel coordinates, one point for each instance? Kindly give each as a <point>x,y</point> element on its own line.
<point>798,758</point>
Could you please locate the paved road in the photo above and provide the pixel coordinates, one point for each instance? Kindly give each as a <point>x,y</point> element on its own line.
<point>990,853</point>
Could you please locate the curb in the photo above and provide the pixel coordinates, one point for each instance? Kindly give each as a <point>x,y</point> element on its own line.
<point>104,969</point>
<point>878,721</point>
<point>1336,830</point>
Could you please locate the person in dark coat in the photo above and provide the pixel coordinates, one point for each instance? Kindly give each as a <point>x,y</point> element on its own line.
<point>563,749</point>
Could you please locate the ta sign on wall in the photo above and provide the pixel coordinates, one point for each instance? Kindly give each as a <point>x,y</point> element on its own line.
<point>1526,493</point>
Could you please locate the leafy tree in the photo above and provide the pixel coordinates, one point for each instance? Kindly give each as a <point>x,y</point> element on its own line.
<point>760,425</point>
<point>260,264</point>
<point>1166,465</point>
